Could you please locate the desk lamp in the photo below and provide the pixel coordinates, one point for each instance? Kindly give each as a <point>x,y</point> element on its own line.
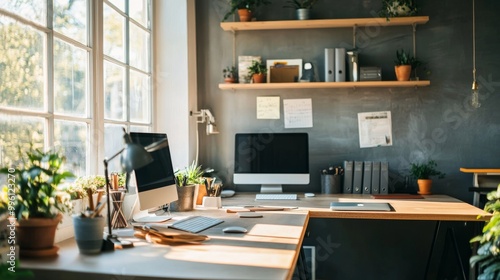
<point>133,156</point>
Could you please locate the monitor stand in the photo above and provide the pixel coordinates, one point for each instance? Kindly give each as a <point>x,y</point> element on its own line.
<point>152,216</point>
<point>271,188</point>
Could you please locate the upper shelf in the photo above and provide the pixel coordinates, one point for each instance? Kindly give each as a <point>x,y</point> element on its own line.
<point>317,85</point>
<point>322,23</point>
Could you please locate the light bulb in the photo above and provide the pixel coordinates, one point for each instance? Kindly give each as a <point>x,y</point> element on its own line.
<point>475,96</point>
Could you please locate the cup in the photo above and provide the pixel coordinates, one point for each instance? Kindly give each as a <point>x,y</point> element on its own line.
<point>212,202</point>
<point>88,234</point>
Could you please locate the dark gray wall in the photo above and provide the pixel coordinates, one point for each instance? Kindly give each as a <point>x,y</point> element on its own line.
<point>431,122</point>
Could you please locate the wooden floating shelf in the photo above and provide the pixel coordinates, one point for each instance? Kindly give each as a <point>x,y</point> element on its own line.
<point>319,85</point>
<point>322,23</point>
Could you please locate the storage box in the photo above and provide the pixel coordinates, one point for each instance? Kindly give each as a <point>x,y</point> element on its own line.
<point>370,74</point>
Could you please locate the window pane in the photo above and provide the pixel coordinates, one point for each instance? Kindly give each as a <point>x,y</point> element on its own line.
<point>71,138</point>
<point>70,79</point>
<point>70,19</point>
<point>32,10</point>
<point>114,36</point>
<point>139,11</point>
<point>21,66</point>
<point>18,132</point>
<point>137,128</point>
<point>120,4</point>
<point>114,93</point>
<point>139,97</point>
<point>139,48</point>
<point>113,142</point>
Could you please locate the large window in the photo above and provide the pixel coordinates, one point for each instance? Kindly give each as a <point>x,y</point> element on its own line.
<point>50,91</point>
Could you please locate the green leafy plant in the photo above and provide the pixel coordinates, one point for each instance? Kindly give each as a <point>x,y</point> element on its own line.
<point>78,189</point>
<point>405,58</point>
<point>488,253</point>
<point>257,68</point>
<point>244,4</point>
<point>36,185</point>
<point>229,72</point>
<point>300,4</point>
<point>191,175</point>
<point>425,170</point>
<point>398,8</point>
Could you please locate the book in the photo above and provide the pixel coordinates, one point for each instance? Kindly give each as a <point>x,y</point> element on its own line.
<point>357,180</point>
<point>348,171</point>
<point>367,177</point>
<point>376,177</point>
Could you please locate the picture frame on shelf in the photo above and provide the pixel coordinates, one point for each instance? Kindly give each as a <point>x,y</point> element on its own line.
<point>284,70</point>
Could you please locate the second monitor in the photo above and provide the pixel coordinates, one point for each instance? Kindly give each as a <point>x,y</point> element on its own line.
<point>271,160</point>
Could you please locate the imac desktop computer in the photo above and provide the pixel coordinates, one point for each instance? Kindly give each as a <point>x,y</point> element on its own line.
<point>271,160</point>
<point>156,181</point>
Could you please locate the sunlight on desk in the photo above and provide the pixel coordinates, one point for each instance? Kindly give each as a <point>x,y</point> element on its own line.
<point>270,230</point>
<point>233,255</point>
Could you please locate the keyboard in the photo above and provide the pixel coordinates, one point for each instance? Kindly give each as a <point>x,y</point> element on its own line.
<point>195,224</point>
<point>276,196</point>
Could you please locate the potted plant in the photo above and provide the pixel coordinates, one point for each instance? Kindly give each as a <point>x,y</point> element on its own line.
<point>229,73</point>
<point>488,253</point>
<point>398,8</point>
<point>38,203</point>
<point>245,8</point>
<point>186,181</point>
<point>303,7</point>
<point>257,72</point>
<point>404,64</point>
<point>423,172</point>
<point>82,188</point>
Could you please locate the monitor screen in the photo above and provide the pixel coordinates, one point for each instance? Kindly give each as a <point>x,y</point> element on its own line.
<point>271,159</point>
<point>155,181</point>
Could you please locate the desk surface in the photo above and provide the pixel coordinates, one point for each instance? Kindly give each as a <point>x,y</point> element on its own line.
<point>268,251</point>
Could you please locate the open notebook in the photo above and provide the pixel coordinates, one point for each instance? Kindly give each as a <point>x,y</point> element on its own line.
<point>360,206</point>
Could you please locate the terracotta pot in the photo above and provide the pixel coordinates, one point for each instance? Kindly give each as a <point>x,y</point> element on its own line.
<point>229,80</point>
<point>403,72</point>
<point>259,78</point>
<point>424,186</point>
<point>245,14</point>
<point>37,233</point>
<point>202,191</point>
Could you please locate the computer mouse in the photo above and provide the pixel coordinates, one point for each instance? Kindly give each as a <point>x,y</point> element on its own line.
<point>309,195</point>
<point>234,229</point>
<point>227,193</point>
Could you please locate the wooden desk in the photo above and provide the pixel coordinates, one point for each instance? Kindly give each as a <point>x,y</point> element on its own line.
<point>483,177</point>
<point>269,251</point>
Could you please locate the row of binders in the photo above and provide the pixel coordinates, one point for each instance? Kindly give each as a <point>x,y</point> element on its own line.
<point>366,177</point>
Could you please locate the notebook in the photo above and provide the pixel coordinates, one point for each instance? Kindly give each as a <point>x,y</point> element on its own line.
<point>360,206</point>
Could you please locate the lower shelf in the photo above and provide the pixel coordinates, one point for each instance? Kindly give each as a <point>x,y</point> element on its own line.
<point>364,84</point>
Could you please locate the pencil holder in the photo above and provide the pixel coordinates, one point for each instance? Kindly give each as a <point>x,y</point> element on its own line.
<point>330,183</point>
<point>212,202</point>
<point>118,219</point>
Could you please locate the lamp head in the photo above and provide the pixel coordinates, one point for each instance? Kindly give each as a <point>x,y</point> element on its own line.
<point>134,155</point>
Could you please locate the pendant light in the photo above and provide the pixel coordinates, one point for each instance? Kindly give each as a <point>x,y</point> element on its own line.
<point>475,87</point>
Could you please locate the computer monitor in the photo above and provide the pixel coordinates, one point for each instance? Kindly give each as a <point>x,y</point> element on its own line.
<point>271,160</point>
<point>155,181</point>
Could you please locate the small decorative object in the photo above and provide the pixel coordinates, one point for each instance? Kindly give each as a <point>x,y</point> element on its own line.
<point>38,202</point>
<point>284,70</point>
<point>186,181</point>
<point>257,71</point>
<point>302,7</point>
<point>404,64</point>
<point>245,8</point>
<point>488,253</point>
<point>212,199</point>
<point>245,61</point>
<point>423,172</point>
<point>398,8</point>
<point>229,73</point>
